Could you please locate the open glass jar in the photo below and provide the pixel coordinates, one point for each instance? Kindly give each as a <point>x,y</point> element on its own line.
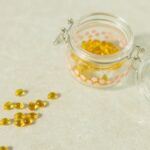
<point>101,49</point>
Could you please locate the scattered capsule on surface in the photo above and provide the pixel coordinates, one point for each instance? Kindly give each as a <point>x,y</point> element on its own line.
<point>33,115</point>
<point>20,92</point>
<point>22,119</point>
<point>19,123</point>
<point>41,103</point>
<point>19,105</point>
<point>18,115</point>
<point>4,148</point>
<point>32,106</point>
<point>45,103</point>
<point>28,121</point>
<point>8,106</point>
<point>52,95</point>
<point>5,121</point>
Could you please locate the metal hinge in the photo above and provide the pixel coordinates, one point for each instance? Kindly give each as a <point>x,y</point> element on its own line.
<point>64,34</point>
<point>136,57</point>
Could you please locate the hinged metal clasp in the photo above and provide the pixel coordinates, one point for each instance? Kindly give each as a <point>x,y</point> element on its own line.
<point>136,56</point>
<point>64,34</point>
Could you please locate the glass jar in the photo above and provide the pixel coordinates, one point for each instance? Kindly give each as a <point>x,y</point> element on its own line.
<point>99,31</point>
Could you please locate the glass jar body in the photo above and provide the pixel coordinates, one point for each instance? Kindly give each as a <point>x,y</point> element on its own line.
<point>100,48</point>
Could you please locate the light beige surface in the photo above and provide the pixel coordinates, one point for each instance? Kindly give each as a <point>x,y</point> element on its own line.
<point>83,118</point>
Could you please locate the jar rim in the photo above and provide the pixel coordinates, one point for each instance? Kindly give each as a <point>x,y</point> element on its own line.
<point>107,59</point>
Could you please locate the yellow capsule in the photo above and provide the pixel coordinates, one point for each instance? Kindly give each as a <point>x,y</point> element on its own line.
<point>5,121</point>
<point>45,103</point>
<point>18,115</point>
<point>4,148</point>
<point>28,121</point>
<point>52,95</point>
<point>19,123</point>
<point>20,92</point>
<point>8,106</point>
<point>100,47</point>
<point>33,115</point>
<point>32,106</point>
<point>40,103</point>
<point>19,105</point>
<point>104,77</point>
<point>82,68</point>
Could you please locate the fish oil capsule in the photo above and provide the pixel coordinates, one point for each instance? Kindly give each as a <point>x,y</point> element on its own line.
<point>20,92</point>
<point>25,116</point>
<point>4,148</point>
<point>100,47</point>
<point>8,106</point>
<point>18,115</point>
<point>28,121</point>
<point>104,77</point>
<point>45,103</point>
<point>19,123</point>
<point>19,105</point>
<point>32,106</point>
<point>52,95</point>
<point>33,115</point>
<point>5,121</point>
<point>41,103</point>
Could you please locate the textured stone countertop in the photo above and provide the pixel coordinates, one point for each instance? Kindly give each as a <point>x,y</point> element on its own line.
<point>83,118</point>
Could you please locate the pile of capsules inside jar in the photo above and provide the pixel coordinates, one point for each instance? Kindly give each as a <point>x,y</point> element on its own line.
<point>100,44</point>
<point>25,119</point>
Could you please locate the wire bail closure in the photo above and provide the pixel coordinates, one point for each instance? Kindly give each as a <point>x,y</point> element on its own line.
<point>63,36</point>
<point>136,57</point>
